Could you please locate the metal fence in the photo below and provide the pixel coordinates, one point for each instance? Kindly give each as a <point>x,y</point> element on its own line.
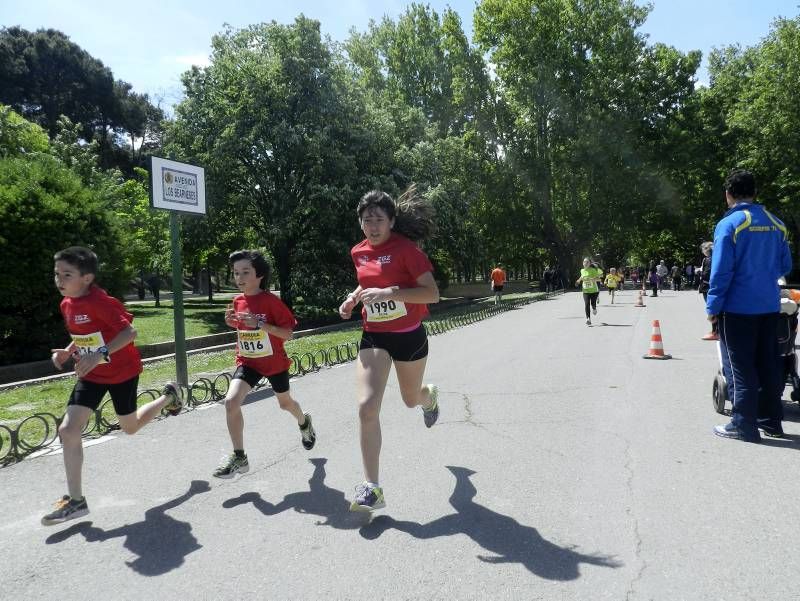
<point>40,430</point>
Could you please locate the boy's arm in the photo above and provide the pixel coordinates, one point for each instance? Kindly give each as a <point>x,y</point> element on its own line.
<point>62,355</point>
<point>122,339</point>
<point>88,362</point>
<point>277,331</point>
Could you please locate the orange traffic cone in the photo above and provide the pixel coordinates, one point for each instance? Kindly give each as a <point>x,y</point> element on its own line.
<point>656,345</point>
<point>639,301</point>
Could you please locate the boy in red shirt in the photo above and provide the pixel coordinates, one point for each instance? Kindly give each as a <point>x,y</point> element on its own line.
<point>105,361</point>
<point>262,323</point>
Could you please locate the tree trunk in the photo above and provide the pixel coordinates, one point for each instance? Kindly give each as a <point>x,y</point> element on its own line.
<point>281,253</point>
<point>210,283</point>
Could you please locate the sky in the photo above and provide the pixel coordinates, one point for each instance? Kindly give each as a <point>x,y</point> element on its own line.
<point>149,43</point>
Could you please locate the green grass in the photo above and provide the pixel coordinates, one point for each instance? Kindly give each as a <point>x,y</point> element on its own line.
<point>156,324</point>
<point>50,397</point>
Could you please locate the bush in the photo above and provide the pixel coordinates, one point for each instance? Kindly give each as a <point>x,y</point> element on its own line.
<point>44,207</point>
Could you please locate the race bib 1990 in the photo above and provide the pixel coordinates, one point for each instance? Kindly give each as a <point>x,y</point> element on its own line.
<point>88,343</point>
<point>380,311</point>
<point>254,344</point>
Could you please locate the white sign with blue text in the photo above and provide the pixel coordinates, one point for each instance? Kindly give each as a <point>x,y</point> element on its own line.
<point>177,186</point>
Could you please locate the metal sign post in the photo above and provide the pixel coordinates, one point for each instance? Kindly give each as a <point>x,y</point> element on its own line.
<point>177,188</point>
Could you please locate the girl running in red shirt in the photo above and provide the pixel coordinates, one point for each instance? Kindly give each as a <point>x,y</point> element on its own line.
<point>395,285</point>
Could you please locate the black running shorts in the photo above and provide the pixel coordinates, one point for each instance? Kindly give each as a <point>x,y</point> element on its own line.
<point>123,395</point>
<point>401,346</point>
<point>279,382</point>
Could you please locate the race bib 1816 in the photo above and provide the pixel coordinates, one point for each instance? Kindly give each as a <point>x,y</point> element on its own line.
<point>254,344</point>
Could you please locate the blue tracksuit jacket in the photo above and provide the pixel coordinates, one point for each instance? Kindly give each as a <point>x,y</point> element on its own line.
<point>751,252</point>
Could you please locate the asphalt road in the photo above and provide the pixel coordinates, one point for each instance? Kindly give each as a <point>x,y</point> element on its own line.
<point>564,467</point>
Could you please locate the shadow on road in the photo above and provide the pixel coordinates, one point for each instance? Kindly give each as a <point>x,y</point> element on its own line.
<point>507,539</point>
<point>319,499</point>
<point>161,542</point>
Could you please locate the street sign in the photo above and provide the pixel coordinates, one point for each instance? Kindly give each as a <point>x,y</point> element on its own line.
<point>177,186</point>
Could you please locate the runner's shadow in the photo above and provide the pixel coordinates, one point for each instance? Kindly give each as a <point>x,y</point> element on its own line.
<point>320,500</point>
<point>160,541</point>
<point>507,539</point>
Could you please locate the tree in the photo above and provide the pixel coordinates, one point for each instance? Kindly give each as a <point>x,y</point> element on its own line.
<point>44,75</point>
<point>44,207</point>
<point>763,117</point>
<point>277,123</point>
<point>585,94</point>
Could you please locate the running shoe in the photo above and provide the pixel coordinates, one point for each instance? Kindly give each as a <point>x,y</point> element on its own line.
<point>66,509</point>
<point>367,498</point>
<point>307,434</point>
<point>594,310</point>
<point>772,432</point>
<point>232,465</point>
<point>710,336</point>
<point>431,413</point>
<point>588,322</point>
<point>174,392</point>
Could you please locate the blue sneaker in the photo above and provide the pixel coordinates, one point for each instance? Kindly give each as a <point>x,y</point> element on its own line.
<point>431,413</point>
<point>730,431</point>
<point>367,498</point>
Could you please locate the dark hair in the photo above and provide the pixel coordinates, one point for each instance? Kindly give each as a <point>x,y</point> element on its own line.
<point>79,256</point>
<point>413,215</point>
<point>257,260</point>
<point>740,183</point>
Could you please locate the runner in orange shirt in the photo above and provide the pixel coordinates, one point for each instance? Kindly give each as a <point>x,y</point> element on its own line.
<point>498,278</point>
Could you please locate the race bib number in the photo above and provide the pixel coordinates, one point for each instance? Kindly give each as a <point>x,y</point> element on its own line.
<point>588,283</point>
<point>381,311</point>
<point>254,344</point>
<point>88,343</point>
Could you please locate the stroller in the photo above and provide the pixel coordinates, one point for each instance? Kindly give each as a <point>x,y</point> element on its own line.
<point>787,334</point>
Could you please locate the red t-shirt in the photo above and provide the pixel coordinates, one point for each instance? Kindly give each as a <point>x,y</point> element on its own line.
<point>95,320</point>
<point>396,262</point>
<point>256,348</point>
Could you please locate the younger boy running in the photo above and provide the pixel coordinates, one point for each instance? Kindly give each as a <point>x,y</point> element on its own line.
<point>262,323</point>
<point>105,361</point>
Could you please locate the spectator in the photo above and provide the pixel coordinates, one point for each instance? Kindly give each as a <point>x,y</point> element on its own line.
<point>662,272</point>
<point>751,252</point>
<point>676,278</point>
<point>702,286</point>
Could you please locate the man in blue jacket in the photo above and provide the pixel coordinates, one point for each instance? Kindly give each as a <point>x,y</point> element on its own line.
<point>751,252</point>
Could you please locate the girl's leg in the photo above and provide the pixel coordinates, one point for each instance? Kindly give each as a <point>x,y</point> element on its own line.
<point>586,303</point>
<point>233,412</point>
<point>594,301</point>
<point>372,373</point>
<point>409,377</point>
<point>70,431</point>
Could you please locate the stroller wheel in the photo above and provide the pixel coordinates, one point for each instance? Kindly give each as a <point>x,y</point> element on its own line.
<point>719,394</point>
